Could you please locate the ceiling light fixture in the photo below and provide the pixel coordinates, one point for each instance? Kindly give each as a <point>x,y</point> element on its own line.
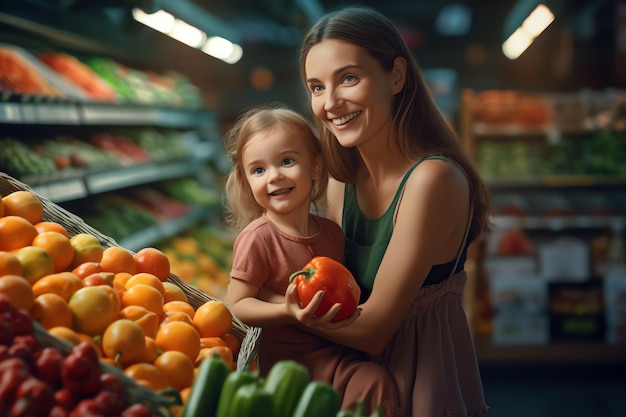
<point>190,35</point>
<point>538,20</point>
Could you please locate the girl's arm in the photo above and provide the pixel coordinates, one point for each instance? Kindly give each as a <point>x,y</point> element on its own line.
<point>429,229</point>
<point>243,299</point>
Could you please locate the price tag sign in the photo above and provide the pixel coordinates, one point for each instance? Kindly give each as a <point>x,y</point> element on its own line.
<point>9,112</point>
<point>66,190</point>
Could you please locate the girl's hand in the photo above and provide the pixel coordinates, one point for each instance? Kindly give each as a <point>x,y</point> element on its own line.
<point>306,315</point>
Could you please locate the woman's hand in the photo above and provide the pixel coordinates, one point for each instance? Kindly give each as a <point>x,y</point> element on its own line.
<point>306,315</point>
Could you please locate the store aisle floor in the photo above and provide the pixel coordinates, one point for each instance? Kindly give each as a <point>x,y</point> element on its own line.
<point>549,390</point>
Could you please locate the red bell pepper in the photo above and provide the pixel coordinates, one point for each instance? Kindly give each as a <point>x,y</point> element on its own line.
<point>13,372</point>
<point>48,365</point>
<point>337,282</point>
<point>81,370</point>
<point>34,398</point>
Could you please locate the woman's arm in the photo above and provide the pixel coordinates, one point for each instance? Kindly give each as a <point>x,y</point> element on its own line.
<point>429,229</point>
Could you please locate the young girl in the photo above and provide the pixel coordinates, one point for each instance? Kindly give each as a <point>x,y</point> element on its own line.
<point>277,175</point>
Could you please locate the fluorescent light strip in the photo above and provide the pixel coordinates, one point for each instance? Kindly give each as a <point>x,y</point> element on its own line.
<point>524,36</point>
<point>166,23</point>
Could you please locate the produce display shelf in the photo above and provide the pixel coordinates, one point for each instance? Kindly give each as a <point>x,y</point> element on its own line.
<point>58,114</point>
<point>92,113</point>
<point>164,230</point>
<point>100,182</point>
<point>561,352</point>
<point>557,181</point>
<point>63,190</point>
<point>66,189</point>
<point>557,222</point>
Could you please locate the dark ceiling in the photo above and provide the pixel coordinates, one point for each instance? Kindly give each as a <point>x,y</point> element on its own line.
<point>578,50</point>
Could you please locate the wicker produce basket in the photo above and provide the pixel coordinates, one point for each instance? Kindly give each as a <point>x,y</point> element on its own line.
<point>74,225</point>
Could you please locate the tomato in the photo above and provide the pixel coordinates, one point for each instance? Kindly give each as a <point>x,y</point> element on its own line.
<point>153,261</point>
<point>124,341</point>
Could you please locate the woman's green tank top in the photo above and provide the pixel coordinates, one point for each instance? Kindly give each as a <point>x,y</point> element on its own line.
<point>367,239</point>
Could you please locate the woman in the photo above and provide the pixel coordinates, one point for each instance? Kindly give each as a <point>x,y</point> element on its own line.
<point>409,201</point>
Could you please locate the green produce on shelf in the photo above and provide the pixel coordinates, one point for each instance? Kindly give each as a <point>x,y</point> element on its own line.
<point>233,382</point>
<point>286,381</point>
<point>18,160</point>
<point>206,388</point>
<point>252,400</point>
<point>318,399</point>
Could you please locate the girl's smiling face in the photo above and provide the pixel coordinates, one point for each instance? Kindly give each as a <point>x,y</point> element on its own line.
<point>280,170</point>
<point>350,92</point>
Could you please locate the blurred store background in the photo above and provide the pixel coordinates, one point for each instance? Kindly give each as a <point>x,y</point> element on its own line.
<point>115,110</point>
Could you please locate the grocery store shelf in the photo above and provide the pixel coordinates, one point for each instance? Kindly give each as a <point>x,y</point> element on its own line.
<point>556,222</point>
<point>101,182</point>
<point>164,230</point>
<point>92,113</point>
<point>563,352</point>
<point>557,181</point>
<point>67,189</point>
<point>62,190</point>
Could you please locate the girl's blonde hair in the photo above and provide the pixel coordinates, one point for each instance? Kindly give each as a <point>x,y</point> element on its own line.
<point>420,127</point>
<point>241,207</point>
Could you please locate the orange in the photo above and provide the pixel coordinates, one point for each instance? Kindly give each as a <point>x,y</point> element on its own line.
<point>213,318</point>
<point>147,279</point>
<point>170,316</point>
<point>24,204</point>
<point>9,264</point>
<point>145,296</point>
<point>51,310</point>
<point>120,279</point>
<point>223,352</point>
<point>153,261</point>
<point>181,306</point>
<point>15,232</point>
<point>86,338</point>
<point>1,206</point>
<point>85,269</point>
<point>93,310</point>
<point>66,334</point>
<point>146,319</point>
<point>58,247</point>
<point>19,291</point>
<point>178,368</point>
<point>179,336</point>
<point>118,259</point>
<point>233,342</point>
<point>148,375</point>
<point>173,292</point>
<point>62,283</point>
<point>212,341</point>
<point>87,248</point>
<point>184,394</point>
<point>124,341</point>
<point>46,226</point>
<point>36,263</point>
<point>151,350</point>
<point>114,296</point>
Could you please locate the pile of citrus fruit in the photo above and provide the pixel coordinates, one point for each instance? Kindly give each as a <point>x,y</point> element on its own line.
<point>119,301</point>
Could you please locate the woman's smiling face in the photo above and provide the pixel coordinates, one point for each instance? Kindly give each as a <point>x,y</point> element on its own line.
<point>350,92</point>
